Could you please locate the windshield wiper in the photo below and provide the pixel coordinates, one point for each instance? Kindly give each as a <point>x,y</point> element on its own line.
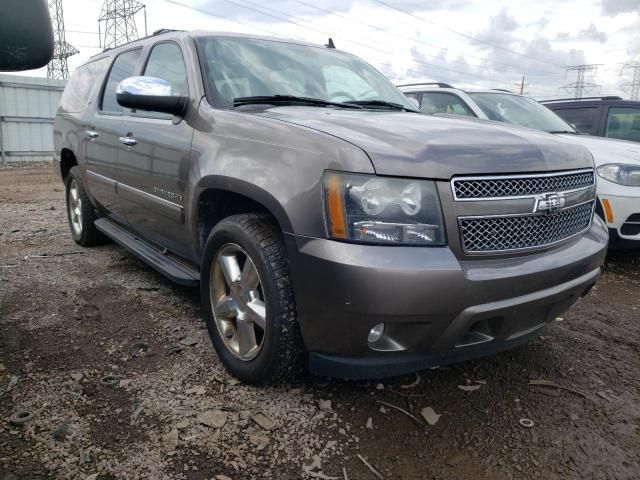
<point>275,99</point>
<point>564,131</point>
<point>381,103</point>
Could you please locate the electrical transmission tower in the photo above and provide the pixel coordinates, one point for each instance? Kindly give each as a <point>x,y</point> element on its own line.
<point>58,66</point>
<point>581,85</point>
<point>117,22</point>
<point>634,85</point>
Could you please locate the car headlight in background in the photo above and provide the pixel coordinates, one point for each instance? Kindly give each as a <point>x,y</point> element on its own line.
<point>367,208</point>
<point>621,174</point>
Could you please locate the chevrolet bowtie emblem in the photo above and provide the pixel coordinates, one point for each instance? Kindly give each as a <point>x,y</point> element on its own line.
<point>549,203</point>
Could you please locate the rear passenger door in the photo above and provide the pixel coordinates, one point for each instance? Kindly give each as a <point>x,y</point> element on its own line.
<point>623,123</point>
<point>105,155</point>
<point>159,162</point>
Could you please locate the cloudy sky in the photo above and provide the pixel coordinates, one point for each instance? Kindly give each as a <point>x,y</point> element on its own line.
<point>469,43</point>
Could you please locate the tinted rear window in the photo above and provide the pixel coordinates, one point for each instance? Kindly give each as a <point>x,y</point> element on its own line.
<point>76,95</point>
<point>585,119</point>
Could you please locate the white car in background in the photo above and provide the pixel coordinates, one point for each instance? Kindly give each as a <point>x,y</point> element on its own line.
<point>617,161</point>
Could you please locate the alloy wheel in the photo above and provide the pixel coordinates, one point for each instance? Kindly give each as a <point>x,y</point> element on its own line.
<point>74,203</point>
<point>238,302</point>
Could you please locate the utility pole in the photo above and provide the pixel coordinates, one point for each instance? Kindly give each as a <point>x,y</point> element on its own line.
<point>522,86</point>
<point>58,66</point>
<point>634,85</point>
<point>117,22</point>
<point>581,85</point>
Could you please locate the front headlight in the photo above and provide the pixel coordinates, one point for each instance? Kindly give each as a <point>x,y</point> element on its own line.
<point>367,208</point>
<point>621,174</point>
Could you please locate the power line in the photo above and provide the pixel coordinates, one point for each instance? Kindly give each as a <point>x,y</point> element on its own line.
<point>379,50</point>
<point>58,67</point>
<point>464,35</point>
<point>119,20</point>
<point>325,33</point>
<point>211,14</point>
<point>413,39</point>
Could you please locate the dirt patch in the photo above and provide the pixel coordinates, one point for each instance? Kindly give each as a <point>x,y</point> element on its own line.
<point>116,365</point>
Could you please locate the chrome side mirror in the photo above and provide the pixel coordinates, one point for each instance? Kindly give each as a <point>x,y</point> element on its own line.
<point>151,94</point>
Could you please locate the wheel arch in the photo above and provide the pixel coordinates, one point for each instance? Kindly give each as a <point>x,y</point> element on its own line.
<point>68,160</point>
<point>218,197</point>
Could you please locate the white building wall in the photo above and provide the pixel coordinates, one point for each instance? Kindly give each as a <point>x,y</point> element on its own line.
<point>27,108</point>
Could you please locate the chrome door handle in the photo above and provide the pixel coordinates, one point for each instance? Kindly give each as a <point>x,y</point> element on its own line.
<point>128,141</point>
<point>92,134</point>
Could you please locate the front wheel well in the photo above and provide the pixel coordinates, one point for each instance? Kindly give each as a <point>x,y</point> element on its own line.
<point>215,205</point>
<point>67,162</point>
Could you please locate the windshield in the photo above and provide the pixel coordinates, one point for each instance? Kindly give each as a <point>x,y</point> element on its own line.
<point>247,67</point>
<point>521,111</point>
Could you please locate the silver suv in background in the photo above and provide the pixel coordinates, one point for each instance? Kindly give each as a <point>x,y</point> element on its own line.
<point>617,161</point>
<point>323,218</point>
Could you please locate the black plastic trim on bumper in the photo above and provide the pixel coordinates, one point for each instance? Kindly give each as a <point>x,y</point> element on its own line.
<point>401,363</point>
<point>618,243</point>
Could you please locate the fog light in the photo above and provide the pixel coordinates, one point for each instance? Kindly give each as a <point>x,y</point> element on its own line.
<point>376,333</point>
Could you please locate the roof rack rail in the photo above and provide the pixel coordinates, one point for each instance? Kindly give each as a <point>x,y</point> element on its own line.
<point>603,97</point>
<point>439,84</point>
<point>160,31</point>
<point>501,90</point>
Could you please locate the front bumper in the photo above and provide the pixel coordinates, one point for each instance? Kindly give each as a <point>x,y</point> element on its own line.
<point>436,308</point>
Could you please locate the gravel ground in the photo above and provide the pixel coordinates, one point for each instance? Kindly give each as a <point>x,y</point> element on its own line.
<point>116,366</point>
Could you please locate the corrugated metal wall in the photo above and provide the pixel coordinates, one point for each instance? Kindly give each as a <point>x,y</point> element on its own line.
<point>27,108</point>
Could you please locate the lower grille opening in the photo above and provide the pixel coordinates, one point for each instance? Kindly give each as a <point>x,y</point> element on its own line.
<point>482,331</point>
<point>630,229</point>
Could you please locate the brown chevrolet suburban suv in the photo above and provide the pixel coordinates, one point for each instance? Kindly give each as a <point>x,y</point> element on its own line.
<point>325,221</point>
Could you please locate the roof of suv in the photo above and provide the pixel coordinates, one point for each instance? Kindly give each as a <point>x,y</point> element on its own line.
<point>421,87</point>
<point>199,33</point>
<point>565,102</point>
<point>592,101</point>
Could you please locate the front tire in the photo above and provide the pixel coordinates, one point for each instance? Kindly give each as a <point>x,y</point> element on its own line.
<point>80,212</point>
<point>247,300</point>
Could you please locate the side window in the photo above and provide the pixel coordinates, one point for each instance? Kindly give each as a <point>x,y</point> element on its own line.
<point>166,62</point>
<point>440,102</point>
<point>414,97</point>
<point>623,123</point>
<point>76,95</point>
<point>123,66</point>
<point>584,119</point>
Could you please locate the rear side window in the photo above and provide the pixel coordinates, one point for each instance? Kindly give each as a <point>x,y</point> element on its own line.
<point>78,91</point>
<point>123,67</point>
<point>584,119</point>
<point>623,123</point>
<point>166,62</point>
<point>439,102</point>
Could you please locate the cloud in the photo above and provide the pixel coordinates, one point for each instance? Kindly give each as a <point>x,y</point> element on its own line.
<point>589,34</point>
<point>500,29</point>
<point>277,10</point>
<point>616,7</point>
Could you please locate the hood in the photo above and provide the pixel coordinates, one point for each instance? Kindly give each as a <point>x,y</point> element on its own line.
<point>425,146</point>
<point>607,150</point>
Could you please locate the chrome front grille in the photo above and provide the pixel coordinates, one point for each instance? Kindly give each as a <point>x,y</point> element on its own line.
<point>501,233</point>
<point>483,188</point>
